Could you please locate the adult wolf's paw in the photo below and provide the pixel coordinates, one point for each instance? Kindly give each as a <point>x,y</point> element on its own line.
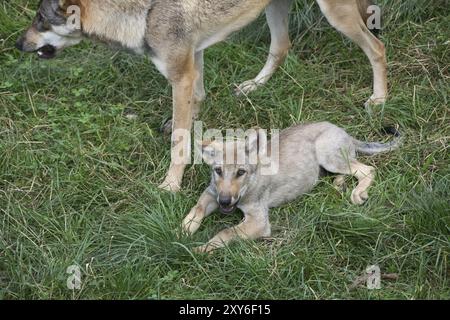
<point>374,101</point>
<point>246,87</point>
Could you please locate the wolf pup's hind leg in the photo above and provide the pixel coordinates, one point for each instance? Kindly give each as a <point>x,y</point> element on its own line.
<point>344,165</point>
<point>336,153</point>
<point>365,175</point>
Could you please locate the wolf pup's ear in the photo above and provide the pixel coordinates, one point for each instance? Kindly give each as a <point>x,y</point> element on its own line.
<point>254,138</point>
<point>256,141</point>
<point>211,151</point>
<point>251,140</point>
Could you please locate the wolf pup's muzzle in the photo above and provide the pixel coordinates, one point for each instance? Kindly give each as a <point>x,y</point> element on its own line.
<point>226,206</point>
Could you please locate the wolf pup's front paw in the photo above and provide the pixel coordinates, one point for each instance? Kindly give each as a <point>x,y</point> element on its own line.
<point>190,225</point>
<point>170,185</point>
<point>205,249</point>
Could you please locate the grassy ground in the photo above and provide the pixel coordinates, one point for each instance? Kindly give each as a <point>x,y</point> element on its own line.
<point>78,179</point>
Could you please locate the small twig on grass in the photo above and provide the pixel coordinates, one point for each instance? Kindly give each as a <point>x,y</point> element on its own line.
<point>361,280</point>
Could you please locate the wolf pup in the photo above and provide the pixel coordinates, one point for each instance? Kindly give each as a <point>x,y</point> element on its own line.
<point>305,151</point>
<point>175,33</point>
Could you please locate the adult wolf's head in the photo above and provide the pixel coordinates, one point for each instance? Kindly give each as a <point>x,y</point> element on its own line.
<point>57,25</point>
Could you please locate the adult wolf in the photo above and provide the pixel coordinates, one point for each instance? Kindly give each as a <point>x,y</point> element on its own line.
<point>174,33</point>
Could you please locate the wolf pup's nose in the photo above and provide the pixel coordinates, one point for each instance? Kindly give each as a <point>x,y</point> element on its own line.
<point>225,201</point>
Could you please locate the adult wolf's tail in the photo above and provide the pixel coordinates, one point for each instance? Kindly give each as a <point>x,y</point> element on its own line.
<point>371,148</point>
<point>363,6</point>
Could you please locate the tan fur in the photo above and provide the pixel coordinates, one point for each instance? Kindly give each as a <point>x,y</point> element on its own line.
<point>125,24</point>
<point>175,32</point>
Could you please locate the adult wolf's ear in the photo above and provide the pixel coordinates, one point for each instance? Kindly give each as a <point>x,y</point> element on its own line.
<point>64,4</point>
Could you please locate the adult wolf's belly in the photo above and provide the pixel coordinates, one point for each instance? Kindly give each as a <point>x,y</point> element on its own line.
<point>216,20</point>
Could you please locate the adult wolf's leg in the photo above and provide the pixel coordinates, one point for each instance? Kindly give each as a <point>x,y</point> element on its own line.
<point>277,14</point>
<point>344,15</point>
<point>183,79</point>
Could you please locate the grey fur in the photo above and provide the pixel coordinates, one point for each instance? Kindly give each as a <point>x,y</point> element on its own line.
<point>371,148</point>
<point>304,150</point>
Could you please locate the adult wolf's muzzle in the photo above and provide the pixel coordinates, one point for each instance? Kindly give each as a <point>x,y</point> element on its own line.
<point>19,44</point>
<point>45,52</point>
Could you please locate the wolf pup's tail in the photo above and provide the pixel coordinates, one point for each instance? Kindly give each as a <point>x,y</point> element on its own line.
<point>371,148</point>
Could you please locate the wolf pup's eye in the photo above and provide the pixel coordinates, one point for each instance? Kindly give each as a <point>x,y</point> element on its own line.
<point>241,172</point>
<point>218,171</point>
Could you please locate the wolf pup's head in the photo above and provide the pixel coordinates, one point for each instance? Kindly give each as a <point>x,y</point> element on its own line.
<point>234,166</point>
<point>55,27</point>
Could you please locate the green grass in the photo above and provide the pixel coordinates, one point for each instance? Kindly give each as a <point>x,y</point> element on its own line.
<point>78,179</point>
